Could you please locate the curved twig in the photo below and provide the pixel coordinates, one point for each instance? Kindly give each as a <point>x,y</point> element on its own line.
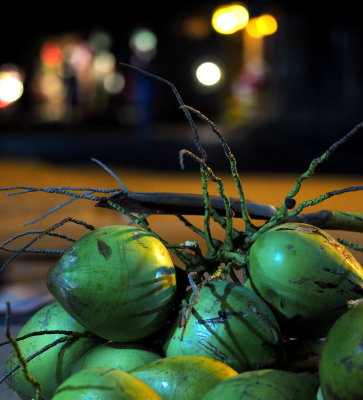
<point>181,104</point>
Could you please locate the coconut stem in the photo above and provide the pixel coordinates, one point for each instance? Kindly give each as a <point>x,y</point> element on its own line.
<point>319,160</point>
<point>350,244</point>
<point>207,172</point>
<point>249,227</point>
<point>282,213</point>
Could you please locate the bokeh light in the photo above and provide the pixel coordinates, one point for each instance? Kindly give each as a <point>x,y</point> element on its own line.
<point>208,73</point>
<point>51,54</point>
<point>114,83</point>
<point>51,86</point>
<point>266,24</point>
<point>253,30</point>
<point>230,18</point>
<point>143,40</point>
<point>196,27</point>
<point>79,56</point>
<point>101,39</point>
<point>11,85</point>
<point>263,25</point>
<point>104,63</point>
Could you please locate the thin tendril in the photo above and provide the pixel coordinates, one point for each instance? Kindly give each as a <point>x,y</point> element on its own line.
<point>207,171</point>
<point>58,189</point>
<point>316,161</point>
<point>180,102</point>
<point>45,232</point>
<point>319,199</point>
<point>21,358</point>
<point>350,244</point>
<point>59,206</point>
<point>38,231</point>
<point>48,332</point>
<point>111,173</point>
<point>278,218</point>
<point>233,165</point>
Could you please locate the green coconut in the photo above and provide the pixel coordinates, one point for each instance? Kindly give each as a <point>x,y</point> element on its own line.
<point>117,281</point>
<point>319,394</point>
<point>183,377</point>
<point>341,362</point>
<point>103,383</point>
<point>269,384</point>
<point>123,356</point>
<point>305,275</point>
<point>53,366</point>
<point>231,324</point>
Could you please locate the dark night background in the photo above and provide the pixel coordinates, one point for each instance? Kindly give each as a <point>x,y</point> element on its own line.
<point>315,82</point>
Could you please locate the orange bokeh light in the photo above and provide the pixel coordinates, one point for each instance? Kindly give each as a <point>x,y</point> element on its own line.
<point>51,54</point>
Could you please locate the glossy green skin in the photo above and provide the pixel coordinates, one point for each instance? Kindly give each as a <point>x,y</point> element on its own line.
<point>265,384</point>
<point>306,276</point>
<point>53,366</point>
<point>319,394</point>
<point>103,383</point>
<point>122,356</point>
<point>231,324</point>
<point>183,377</point>
<point>117,281</point>
<point>341,363</point>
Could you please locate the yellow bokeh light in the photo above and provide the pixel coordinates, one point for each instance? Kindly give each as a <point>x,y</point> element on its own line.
<point>263,25</point>
<point>229,19</point>
<point>103,64</point>
<point>51,86</point>
<point>266,24</point>
<point>252,29</point>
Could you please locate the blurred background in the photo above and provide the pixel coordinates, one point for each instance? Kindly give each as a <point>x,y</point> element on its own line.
<point>281,80</point>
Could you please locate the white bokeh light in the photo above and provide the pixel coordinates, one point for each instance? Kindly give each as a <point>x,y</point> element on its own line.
<point>208,73</point>
<point>11,88</point>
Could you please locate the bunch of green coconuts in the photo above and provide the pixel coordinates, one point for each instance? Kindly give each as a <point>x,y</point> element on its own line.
<point>127,323</point>
<point>119,284</point>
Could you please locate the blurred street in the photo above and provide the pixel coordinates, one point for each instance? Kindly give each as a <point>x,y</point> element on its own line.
<point>281,146</point>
